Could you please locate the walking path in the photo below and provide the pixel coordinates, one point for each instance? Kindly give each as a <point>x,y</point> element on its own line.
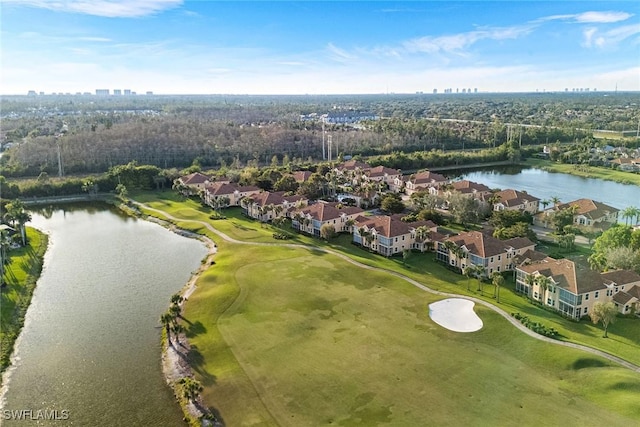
<point>415,283</point>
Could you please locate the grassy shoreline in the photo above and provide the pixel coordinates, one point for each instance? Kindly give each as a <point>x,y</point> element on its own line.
<point>21,276</point>
<point>227,316</point>
<point>595,172</point>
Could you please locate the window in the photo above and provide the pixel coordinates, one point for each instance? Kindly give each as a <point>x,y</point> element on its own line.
<point>491,260</point>
<point>499,257</point>
<point>586,297</point>
<point>596,295</point>
<point>549,301</point>
<point>535,295</point>
<point>585,310</point>
<point>498,268</point>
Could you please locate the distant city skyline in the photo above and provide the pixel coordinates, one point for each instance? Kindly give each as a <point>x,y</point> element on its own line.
<point>308,47</point>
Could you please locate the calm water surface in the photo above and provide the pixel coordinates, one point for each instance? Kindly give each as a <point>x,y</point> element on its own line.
<point>90,344</point>
<point>546,185</point>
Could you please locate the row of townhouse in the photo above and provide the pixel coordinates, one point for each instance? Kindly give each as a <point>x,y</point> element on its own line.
<point>310,219</point>
<point>475,248</point>
<point>572,290</point>
<point>389,235</point>
<point>267,206</point>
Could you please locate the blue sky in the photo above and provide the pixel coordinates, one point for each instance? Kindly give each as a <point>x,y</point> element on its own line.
<point>310,47</point>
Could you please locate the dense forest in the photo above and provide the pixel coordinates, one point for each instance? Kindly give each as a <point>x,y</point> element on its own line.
<point>90,134</point>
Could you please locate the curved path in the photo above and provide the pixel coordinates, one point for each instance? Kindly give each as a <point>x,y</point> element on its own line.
<point>415,283</point>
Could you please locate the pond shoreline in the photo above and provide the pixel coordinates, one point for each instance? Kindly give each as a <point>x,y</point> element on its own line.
<point>174,358</point>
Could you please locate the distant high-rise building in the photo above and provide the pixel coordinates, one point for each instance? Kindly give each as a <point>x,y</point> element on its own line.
<point>475,90</point>
<point>435,91</point>
<point>102,92</point>
<point>31,93</point>
<point>127,91</point>
<point>117,92</point>
<point>149,92</point>
<point>41,93</point>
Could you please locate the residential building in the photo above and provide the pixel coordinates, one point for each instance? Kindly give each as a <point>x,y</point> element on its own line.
<point>573,290</point>
<point>383,174</point>
<point>477,248</point>
<point>587,212</point>
<point>301,176</point>
<point>466,188</point>
<point>224,194</point>
<point>353,166</point>
<point>625,285</point>
<point>194,182</point>
<point>266,206</point>
<point>514,200</point>
<point>389,235</point>
<point>310,219</point>
<point>420,180</point>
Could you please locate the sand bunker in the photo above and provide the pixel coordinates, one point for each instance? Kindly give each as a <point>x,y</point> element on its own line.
<point>455,314</point>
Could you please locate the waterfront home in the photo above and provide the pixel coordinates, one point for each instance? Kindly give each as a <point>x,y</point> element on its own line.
<point>266,206</point>
<point>586,212</point>
<point>384,174</point>
<point>420,180</point>
<point>389,235</point>
<point>626,164</point>
<point>224,194</point>
<point>573,290</point>
<point>310,219</point>
<point>193,183</point>
<point>352,166</point>
<point>467,188</point>
<point>514,200</point>
<point>475,248</point>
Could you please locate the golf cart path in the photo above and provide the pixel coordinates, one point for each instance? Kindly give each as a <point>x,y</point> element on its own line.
<point>415,283</point>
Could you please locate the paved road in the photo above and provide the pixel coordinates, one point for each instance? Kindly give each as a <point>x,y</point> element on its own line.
<point>417,284</point>
<point>546,234</point>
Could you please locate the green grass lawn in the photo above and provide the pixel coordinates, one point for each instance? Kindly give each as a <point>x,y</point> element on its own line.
<point>296,337</point>
<point>20,277</point>
<point>285,336</point>
<point>591,172</point>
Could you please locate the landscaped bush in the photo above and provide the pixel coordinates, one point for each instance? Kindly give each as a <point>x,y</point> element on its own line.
<point>536,327</point>
<point>281,236</point>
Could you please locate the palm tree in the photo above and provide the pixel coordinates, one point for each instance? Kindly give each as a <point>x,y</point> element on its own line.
<point>628,213</point>
<point>190,388</point>
<point>167,319</point>
<point>480,273</point>
<point>555,200</point>
<point>16,214</point>
<point>176,299</point>
<point>543,283</point>
<point>177,329</point>
<point>530,280</point>
<point>498,281</point>
<point>544,204</point>
<point>468,271</point>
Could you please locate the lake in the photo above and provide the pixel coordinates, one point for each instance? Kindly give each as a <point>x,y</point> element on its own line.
<point>91,340</point>
<point>546,185</point>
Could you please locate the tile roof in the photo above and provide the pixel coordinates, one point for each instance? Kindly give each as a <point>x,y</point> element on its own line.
<point>302,176</point>
<point>327,211</point>
<point>426,177</point>
<point>566,275</point>
<point>221,188</point>
<point>486,246</point>
<point>266,198</point>
<point>621,277</point>
<point>589,208</point>
<point>194,178</point>
<point>467,187</point>
<point>353,164</point>
<point>382,171</point>
<point>391,226</point>
<point>512,198</point>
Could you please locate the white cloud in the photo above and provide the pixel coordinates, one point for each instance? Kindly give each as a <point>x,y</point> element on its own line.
<point>456,43</point>
<point>338,54</point>
<point>601,39</point>
<point>106,8</point>
<point>590,17</point>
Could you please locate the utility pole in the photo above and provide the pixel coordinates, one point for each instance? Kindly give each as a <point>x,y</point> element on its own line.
<point>60,166</point>
<point>329,146</point>
<point>323,155</point>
